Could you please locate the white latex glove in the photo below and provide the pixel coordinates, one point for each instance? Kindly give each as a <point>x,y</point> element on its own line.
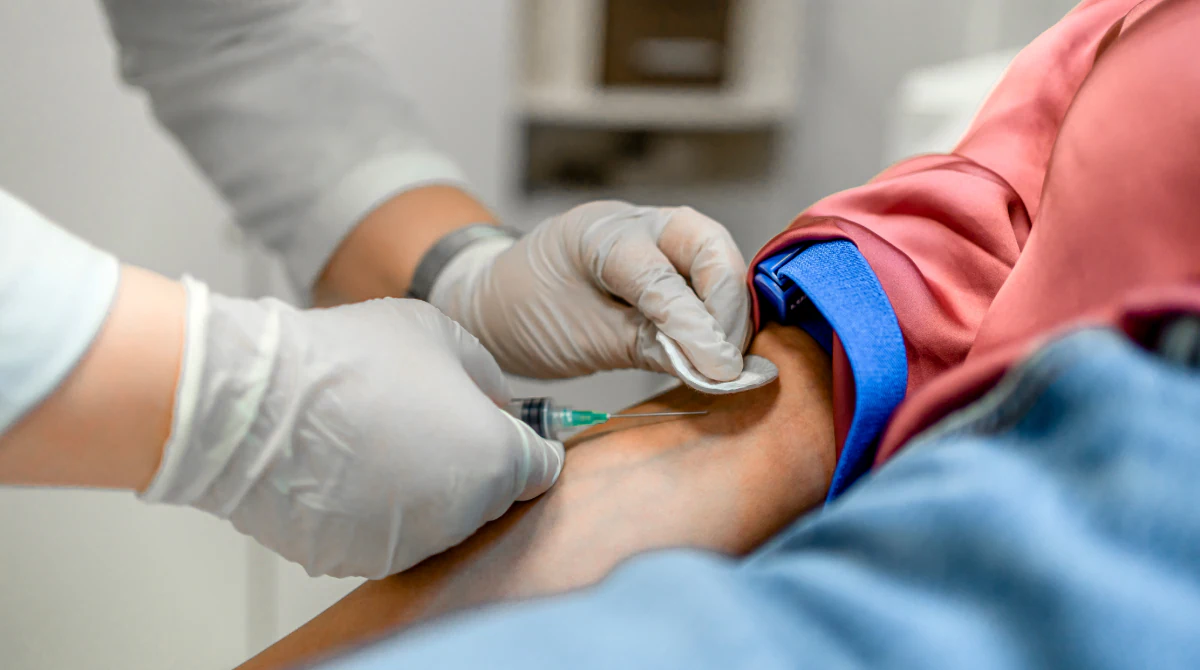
<point>550,305</point>
<point>355,441</point>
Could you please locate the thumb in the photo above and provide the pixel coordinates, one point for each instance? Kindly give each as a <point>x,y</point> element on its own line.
<point>645,278</point>
<point>539,461</point>
<point>629,263</point>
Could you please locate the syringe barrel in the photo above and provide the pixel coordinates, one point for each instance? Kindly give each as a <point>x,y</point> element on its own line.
<point>537,413</point>
<point>543,416</point>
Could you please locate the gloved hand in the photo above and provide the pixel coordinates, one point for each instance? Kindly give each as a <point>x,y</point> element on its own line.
<point>589,289</point>
<point>355,441</point>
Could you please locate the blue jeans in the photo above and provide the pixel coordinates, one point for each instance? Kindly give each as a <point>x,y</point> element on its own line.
<point>1054,523</point>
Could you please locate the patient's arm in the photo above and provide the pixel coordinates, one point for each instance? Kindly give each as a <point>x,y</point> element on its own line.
<point>724,481</point>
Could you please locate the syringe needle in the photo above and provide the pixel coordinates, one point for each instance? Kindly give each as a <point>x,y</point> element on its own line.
<point>634,416</point>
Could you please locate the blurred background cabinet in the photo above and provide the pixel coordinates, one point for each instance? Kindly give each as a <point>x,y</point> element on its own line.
<point>97,580</point>
<point>681,43</point>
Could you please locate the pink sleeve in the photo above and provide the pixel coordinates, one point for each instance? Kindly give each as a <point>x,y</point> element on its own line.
<point>942,232</point>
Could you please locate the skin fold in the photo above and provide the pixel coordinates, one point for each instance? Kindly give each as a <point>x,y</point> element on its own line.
<point>726,481</point>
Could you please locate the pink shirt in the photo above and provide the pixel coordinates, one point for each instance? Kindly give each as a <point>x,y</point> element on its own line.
<point>1073,199</point>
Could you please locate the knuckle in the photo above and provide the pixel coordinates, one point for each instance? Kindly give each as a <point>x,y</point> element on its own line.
<point>601,208</point>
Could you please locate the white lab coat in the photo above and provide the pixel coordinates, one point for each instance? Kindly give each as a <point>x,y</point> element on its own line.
<point>280,103</point>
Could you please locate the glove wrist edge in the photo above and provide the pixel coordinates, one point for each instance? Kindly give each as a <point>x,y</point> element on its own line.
<point>446,249</point>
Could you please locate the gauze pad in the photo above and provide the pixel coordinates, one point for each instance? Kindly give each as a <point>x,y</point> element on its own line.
<point>756,371</point>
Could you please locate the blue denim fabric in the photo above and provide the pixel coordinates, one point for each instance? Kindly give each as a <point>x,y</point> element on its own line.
<point>1054,523</point>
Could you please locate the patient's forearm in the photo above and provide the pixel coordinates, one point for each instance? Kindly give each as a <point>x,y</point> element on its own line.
<point>725,481</point>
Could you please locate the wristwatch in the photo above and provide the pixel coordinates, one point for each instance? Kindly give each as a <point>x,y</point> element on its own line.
<point>444,250</point>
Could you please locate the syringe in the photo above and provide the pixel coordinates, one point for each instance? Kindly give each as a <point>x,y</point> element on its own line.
<point>555,423</point>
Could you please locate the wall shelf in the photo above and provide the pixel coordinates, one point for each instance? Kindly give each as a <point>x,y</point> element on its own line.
<point>560,83</point>
<point>586,127</point>
<point>654,110</point>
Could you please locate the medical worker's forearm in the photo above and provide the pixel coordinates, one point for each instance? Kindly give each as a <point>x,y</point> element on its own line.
<point>105,424</point>
<point>378,258</point>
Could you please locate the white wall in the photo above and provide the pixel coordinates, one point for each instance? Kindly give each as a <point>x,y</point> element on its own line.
<point>857,53</point>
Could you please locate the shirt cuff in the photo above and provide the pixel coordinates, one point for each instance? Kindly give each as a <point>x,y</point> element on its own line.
<point>358,194</point>
<point>55,294</point>
<point>829,289</point>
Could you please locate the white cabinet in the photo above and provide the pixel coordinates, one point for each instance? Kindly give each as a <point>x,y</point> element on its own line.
<point>562,48</point>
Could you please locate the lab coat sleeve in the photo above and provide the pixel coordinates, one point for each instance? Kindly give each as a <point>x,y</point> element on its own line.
<point>942,232</point>
<point>55,293</point>
<point>283,107</point>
